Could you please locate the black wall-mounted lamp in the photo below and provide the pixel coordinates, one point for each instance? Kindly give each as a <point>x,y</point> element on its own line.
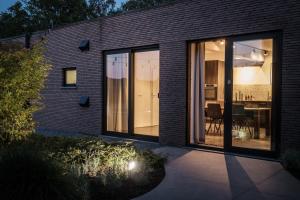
<point>84,101</point>
<point>84,45</point>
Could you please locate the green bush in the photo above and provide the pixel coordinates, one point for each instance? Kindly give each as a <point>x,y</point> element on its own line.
<point>103,165</point>
<point>291,161</point>
<point>27,175</point>
<point>22,76</point>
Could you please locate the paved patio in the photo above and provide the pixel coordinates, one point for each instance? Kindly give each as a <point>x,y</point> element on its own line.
<point>196,175</point>
<point>193,174</point>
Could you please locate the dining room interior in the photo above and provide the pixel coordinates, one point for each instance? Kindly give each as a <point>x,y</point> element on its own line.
<point>251,92</point>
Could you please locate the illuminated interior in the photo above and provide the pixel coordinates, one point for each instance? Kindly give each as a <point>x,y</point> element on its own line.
<point>207,93</point>
<point>146,93</point>
<point>117,92</point>
<point>70,77</point>
<point>251,93</point>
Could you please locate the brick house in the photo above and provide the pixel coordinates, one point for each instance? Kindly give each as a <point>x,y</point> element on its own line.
<point>213,74</point>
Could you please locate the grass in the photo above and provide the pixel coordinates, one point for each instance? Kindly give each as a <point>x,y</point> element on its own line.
<point>102,166</point>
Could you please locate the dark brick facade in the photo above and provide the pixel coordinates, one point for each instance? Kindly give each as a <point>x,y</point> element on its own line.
<point>170,27</point>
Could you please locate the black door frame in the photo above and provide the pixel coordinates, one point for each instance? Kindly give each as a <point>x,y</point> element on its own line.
<point>276,94</point>
<point>130,134</point>
<point>276,35</point>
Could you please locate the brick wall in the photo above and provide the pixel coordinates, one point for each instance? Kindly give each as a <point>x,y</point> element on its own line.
<point>170,27</point>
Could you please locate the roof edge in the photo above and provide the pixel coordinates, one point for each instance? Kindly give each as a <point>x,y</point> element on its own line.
<point>61,26</point>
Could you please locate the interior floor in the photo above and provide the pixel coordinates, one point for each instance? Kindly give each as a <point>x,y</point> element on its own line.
<point>217,140</point>
<point>147,130</point>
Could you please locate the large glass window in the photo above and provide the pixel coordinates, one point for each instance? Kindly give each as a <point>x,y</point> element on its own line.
<point>245,120</point>
<point>252,94</point>
<point>146,93</point>
<point>206,108</point>
<point>117,92</point>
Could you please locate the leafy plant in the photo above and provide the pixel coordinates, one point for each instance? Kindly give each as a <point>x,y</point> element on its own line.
<point>26,175</point>
<point>22,76</point>
<point>144,4</point>
<point>104,165</point>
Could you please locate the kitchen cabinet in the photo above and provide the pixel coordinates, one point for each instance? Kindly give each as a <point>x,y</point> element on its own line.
<point>215,74</point>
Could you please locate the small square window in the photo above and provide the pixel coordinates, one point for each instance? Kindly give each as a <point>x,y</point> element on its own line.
<point>70,77</point>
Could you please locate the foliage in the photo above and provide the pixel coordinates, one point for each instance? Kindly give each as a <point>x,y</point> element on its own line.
<point>22,76</point>
<point>99,8</point>
<point>144,4</point>
<point>33,15</point>
<point>291,161</point>
<point>45,13</point>
<point>103,165</point>
<point>27,175</point>
<point>12,22</point>
<point>28,16</point>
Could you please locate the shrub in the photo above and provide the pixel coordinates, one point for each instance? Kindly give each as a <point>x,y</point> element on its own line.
<point>22,76</point>
<point>291,161</point>
<point>101,166</point>
<point>26,175</point>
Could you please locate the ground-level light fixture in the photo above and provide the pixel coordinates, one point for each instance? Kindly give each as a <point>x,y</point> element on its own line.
<point>131,165</point>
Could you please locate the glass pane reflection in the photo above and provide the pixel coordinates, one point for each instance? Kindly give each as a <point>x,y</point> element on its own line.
<point>117,92</point>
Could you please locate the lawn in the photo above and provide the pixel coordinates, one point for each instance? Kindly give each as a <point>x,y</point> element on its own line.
<point>76,168</point>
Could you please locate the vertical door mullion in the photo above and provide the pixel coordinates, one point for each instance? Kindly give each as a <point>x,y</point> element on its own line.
<point>276,82</point>
<point>131,93</point>
<point>104,90</point>
<point>228,94</point>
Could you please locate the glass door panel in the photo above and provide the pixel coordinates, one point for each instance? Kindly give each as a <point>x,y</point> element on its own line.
<point>252,94</point>
<point>206,92</point>
<point>146,93</point>
<point>117,92</point>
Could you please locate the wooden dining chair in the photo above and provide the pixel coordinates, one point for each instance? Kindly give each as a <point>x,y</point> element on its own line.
<point>215,116</point>
<point>241,118</point>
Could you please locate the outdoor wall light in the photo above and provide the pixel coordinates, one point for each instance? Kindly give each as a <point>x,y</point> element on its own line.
<point>131,165</point>
<point>84,101</point>
<point>84,45</point>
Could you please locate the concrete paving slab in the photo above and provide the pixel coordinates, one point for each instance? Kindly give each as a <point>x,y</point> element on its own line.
<point>192,174</point>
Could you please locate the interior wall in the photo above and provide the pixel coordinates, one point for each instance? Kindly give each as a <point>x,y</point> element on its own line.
<point>146,89</point>
<point>255,81</point>
<point>146,103</point>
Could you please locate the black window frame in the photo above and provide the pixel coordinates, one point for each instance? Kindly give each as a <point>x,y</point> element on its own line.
<point>130,52</point>
<point>65,77</point>
<point>276,35</point>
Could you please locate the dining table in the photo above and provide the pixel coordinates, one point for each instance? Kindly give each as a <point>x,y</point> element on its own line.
<point>258,112</point>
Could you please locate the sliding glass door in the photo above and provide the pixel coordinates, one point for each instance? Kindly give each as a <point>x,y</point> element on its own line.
<point>253,93</point>
<point>146,93</point>
<point>132,92</point>
<point>206,93</point>
<point>233,93</point>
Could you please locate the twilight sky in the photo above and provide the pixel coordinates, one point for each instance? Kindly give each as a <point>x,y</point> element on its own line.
<point>4,4</point>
